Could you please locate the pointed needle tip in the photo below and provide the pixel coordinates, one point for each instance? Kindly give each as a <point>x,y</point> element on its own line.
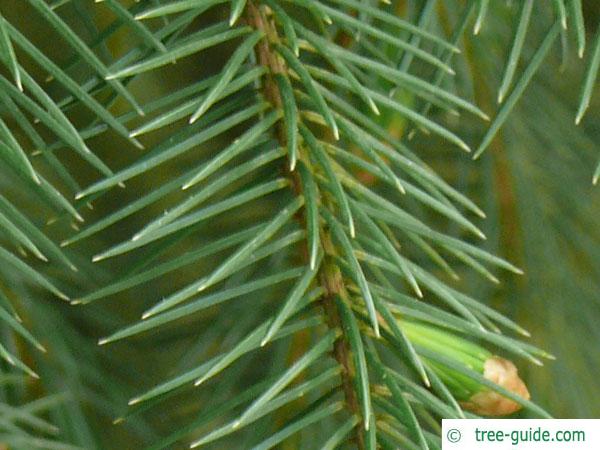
<point>336,132</point>
<point>400,187</point>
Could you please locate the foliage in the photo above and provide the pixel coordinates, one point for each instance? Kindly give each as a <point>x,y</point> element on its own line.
<point>262,213</point>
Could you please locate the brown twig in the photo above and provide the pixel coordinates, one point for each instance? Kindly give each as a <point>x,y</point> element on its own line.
<point>330,275</point>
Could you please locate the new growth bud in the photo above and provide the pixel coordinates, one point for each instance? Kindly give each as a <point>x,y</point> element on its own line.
<point>490,403</point>
<point>472,395</point>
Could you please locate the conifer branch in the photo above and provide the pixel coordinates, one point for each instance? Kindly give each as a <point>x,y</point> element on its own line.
<point>330,275</point>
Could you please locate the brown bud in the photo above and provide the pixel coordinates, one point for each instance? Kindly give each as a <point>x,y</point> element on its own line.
<point>490,403</point>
